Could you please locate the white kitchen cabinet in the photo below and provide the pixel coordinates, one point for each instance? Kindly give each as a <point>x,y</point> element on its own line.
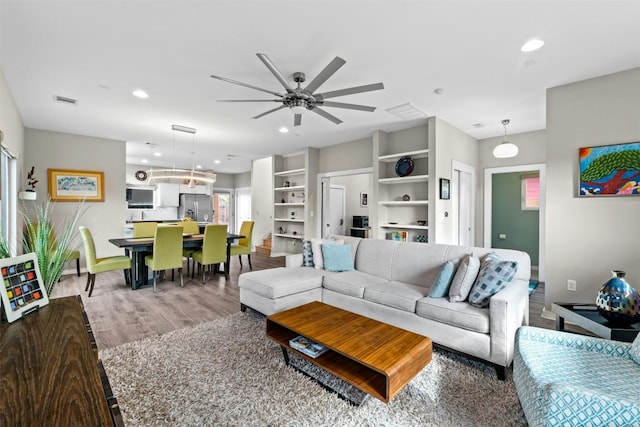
<point>196,189</point>
<point>167,194</point>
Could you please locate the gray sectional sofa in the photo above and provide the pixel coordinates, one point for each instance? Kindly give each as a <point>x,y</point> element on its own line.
<point>391,283</point>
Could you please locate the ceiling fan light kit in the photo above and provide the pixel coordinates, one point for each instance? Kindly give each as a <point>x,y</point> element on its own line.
<point>505,149</point>
<point>299,99</point>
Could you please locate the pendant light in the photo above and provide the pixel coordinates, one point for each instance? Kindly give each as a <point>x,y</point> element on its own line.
<point>188,176</point>
<point>505,149</point>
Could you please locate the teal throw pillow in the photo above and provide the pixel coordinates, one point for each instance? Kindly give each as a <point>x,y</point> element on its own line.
<point>337,257</point>
<point>495,273</point>
<point>441,286</point>
<point>307,254</point>
<point>634,351</point>
<point>464,279</point>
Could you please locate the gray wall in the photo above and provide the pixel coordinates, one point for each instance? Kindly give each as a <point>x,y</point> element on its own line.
<point>46,149</point>
<point>588,237</point>
<point>521,227</point>
<point>346,156</point>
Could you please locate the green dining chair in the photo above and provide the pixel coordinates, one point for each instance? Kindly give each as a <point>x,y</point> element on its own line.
<point>189,227</point>
<point>167,252</point>
<point>97,265</point>
<point>243,247</point>
<point>214,248</point>
<point>144,229</point>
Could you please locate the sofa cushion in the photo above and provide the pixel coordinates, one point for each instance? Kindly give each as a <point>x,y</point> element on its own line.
<point>402,296</point>
<point>350,283</point>
<point>337,257</point>
<point>464,279</point>
<point>281,281</point>
<point>634,351</point>
<point>459,314</point>
<point>495,273</point>
<point>375,257</point>
<point>441,286</point>
<point>307,254</point>
<point>316,249</point>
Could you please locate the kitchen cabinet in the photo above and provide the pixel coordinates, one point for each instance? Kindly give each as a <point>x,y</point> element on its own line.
<point>167,194</point>
<point>196,189</point>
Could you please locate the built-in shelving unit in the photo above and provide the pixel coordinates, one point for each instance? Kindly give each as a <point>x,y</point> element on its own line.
<point>395,213</point>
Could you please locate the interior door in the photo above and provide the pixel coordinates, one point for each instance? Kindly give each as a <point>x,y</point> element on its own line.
<point>243,206</point>
<point>464,209</point>
<point>333,208</point>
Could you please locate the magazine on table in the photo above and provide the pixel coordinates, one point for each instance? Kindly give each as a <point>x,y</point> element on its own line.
<point>308,347</point>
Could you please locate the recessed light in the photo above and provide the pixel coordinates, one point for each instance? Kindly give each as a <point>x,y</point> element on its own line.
<point>139,93</point>
<point>157,154</point>
<point>198,166</point>
<point>283,130</point>
<point>217,162</point>
<point>531,45</point>
<point>144,161</point>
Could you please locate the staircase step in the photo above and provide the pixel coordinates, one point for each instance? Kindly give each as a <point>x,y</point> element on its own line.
<point>261,249</point>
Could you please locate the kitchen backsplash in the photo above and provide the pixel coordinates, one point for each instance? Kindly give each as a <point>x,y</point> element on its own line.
<point>159,213</point>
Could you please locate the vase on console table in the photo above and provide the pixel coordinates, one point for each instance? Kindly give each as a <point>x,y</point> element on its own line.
<point>618,302</point>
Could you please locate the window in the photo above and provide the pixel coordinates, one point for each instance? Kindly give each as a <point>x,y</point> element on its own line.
<point>8,201</point>
<point>530,194</point>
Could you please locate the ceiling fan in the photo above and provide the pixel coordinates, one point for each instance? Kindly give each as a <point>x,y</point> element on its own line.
<point>300,99</point>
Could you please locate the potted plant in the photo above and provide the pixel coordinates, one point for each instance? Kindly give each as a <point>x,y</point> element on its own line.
<point>30,192</point>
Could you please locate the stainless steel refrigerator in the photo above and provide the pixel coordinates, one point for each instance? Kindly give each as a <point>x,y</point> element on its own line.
<point>196,206</point>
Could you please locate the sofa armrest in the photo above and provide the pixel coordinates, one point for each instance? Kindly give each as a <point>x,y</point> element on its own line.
<point>582,342</point>
<point>294,260</point>
<point>508,310</point>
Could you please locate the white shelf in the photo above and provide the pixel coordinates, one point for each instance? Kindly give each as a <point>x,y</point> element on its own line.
<point>405,226</point>
<point>403,203</point>
<point>289,220</point>
<point>404,179</point>
<point>289,204</point>
<point>292,172</point>
<point>296,188</point>
<point>290,236</point>
<point>417,154</point>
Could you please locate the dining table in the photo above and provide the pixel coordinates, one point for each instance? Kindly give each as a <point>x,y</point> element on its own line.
<point>138,247</point>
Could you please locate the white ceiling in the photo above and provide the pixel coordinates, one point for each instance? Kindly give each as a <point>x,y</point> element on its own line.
<point>98,52</point>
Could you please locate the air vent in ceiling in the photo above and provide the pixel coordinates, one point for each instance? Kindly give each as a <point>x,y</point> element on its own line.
<point>408,111</point>
<point>65,100</point>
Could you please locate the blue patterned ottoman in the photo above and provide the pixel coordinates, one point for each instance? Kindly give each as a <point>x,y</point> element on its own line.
<point>565,379</point>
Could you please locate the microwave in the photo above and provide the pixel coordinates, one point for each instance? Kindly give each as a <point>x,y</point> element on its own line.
<point>360,221</point>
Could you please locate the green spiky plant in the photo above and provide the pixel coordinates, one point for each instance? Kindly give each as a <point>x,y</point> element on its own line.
<point>4,245</point>
<point>52,243</point>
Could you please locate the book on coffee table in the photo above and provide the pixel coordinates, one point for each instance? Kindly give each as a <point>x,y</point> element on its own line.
<point>308,347</point>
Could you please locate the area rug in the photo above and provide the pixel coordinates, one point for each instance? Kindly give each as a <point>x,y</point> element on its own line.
<point>225,372</point>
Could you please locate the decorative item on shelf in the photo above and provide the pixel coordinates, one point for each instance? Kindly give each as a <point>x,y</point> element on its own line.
<point>406,198</point>
<point>421,238</point>
<point>295,233</point>
<point>29,193</point>
<point>404,166</point>
<point>505,149</point>
<point>281,230</point>
<point>287,184</point>
<point>293,214</point>
<point>617,301</point>
<point>421,222</point>
<point>283,200</point>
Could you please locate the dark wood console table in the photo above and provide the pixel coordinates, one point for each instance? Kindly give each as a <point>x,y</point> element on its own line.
<point>50,373</point>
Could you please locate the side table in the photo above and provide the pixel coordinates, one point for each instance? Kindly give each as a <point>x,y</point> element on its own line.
<point>587,317</point>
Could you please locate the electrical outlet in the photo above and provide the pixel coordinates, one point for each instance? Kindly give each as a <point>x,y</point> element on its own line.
<point>571,285</point>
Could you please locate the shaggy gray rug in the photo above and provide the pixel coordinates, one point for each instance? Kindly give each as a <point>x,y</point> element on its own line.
<point>225,372</point>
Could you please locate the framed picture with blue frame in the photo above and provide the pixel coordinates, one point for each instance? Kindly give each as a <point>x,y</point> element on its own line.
<point>610,170</point>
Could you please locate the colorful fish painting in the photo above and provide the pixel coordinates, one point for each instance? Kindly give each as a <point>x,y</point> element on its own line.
<point>610,170</point>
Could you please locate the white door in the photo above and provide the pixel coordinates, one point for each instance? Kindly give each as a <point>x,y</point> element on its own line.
<point>243,206</point>
<point>464,209</point>
<point>333,208</point>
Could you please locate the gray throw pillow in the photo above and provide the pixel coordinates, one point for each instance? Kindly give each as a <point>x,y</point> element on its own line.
<point>464,279</point>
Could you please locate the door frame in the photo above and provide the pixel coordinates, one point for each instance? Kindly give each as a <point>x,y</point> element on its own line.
<point>455,212</point>
<point>541,168</point>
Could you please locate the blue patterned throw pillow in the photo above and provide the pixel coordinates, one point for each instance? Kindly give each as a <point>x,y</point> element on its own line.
<point>495,273</point>
<point>634,351</point>
<point>307,254</point>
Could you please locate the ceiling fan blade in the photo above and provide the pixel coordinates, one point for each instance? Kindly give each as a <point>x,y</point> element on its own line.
<point>274,70</point>
<point>297,120</point>
<point>269,112</point>
<point>348,106</point>
<point>235,82</point>
<point>328,71</point>
<point>326,115</point>
<point>348,91</point>
<point>249,100</point>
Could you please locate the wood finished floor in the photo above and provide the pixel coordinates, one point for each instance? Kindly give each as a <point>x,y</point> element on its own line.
<point>119,315</point>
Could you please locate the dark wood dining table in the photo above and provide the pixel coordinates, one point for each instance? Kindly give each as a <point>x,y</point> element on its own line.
<point>138,247</point>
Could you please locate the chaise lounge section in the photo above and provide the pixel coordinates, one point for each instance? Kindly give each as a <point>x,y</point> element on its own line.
<point>391,282</point>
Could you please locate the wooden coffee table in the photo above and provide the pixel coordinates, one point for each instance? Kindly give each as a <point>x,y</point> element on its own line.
<point>374,357</point>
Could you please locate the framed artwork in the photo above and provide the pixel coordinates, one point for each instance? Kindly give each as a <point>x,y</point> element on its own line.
<point>76,186</point>
<point>610,170</point>
<point>444,189</point>
<point>364,199</point>
<point>23,290</point>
